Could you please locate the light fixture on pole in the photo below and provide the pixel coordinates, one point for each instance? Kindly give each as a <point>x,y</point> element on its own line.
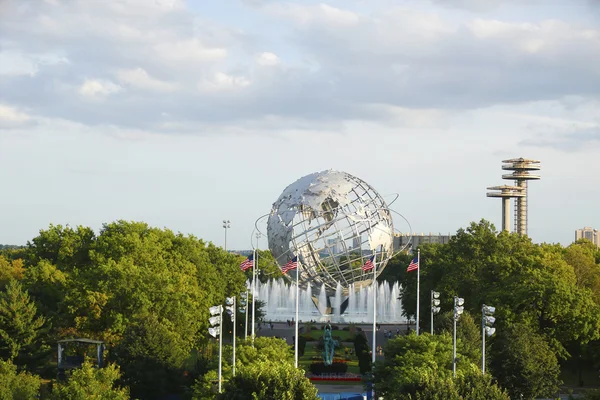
<point>458,310</point>
<point>258,236</point>
<point>255,267</point>
<point>487,320</point>
<point>435,306</point>
<point>226,225</point>
<point>244,310</point>
<point>216,321</point>
<point>231,310</point>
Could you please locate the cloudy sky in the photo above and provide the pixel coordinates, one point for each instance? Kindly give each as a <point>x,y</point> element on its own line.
<point>182,114</point>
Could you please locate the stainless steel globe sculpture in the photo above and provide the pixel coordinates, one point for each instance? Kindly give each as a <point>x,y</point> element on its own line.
<point>334,222</point>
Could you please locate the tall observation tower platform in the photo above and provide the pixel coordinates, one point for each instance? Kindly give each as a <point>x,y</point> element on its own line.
<point>523,171</point>
<point>506,193</point>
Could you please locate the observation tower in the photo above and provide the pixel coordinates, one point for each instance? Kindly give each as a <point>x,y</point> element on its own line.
<point>522,168</point>
<point>506,193</point>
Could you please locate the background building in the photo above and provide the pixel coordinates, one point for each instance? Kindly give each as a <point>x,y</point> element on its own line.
<point>588,233</point>
<point>403,239</point>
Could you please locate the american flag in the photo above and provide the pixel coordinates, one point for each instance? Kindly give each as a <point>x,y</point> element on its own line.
<point>414,264</point>
<point>293,264</point>
<point>247,263</point>
<point>369,264</point>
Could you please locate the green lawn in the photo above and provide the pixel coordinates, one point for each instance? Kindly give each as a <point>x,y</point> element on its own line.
<point>311,351</point>
<point>344,336</point>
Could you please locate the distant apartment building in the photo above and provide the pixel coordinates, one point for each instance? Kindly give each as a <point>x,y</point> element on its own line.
<point>588,233</point>
<point>402,240</point>
<point>334,245</point>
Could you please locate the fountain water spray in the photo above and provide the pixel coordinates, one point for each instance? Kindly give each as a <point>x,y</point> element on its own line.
<point>280,303</point>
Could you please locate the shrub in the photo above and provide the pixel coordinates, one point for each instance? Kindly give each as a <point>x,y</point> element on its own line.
<point>592,395</point>
<point>301,345</point>
<point>337,367</point>
<point>18,386</point>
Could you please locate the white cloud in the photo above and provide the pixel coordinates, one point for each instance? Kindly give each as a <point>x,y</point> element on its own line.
<point>139,79</point>
<point>267,59</point>
<point>12,114</point>
<point>222,81</point>
<point>186,51</point>
<point>313,14</point>
<point>98,88</point>
<point>388,64</point>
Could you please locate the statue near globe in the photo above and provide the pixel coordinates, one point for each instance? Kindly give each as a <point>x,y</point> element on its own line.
<point>329,345</point>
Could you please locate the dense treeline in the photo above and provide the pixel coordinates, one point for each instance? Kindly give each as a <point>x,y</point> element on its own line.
<point>9,246</point>
<point>144,291</point>
<point>547,300</point>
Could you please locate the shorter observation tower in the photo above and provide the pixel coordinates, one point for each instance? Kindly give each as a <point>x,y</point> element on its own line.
<point>506,193</point>
<point>522,168</point>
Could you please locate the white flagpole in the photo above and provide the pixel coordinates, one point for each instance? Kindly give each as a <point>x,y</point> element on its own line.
<point>246,312</point>
<point>296,322</point>
<point>374,306</point>
<point>374,349</point>
<point>254,292</point>
<point>418,285</point>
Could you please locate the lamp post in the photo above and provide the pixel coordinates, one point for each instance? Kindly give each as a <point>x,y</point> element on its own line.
<point>231,310</point>
<point>226,225</point>
<point>258,236</point>
<point>244,310</point>
<point>458,310</point>
<point>487,320</point>
<point>254,272</point>
<point>435,302</point>
<point>217,329</point>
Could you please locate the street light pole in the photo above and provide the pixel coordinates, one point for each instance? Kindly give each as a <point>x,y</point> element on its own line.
<point>435,302</point>
<point>217,319</point>
<point>246,325</point>
<point>232,310</point>
<point>458,310</point>
<point>254,285</point>
<point>487,320</point>
<point>226,225</point>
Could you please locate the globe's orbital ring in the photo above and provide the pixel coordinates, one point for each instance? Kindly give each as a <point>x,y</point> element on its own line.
<point>394,253</point>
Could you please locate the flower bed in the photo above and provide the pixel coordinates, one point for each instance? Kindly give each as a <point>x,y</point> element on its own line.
<point>335,377</point>
<point>337,367</point>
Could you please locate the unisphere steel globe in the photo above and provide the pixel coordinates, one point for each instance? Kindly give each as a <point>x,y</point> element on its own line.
<point>334,223</point>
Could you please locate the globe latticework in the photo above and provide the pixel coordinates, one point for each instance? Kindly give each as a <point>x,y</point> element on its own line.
<point>334,222</point>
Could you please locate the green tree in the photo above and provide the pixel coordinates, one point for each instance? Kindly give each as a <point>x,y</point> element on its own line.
<point>267,267</point>
<point>526,283</point>
<point>467,331</point>
<point>524,363</point>
<point>20,326</point>
<point>152,356</point>
<point>89,383</point>
<point>265,348</point>
<point>361,348</point>
<point>65,247</point>
<point>17,386</point>
<point>10,270</point>
<point>471,386</point>
<point>420,367</point>
<point>269,379</point>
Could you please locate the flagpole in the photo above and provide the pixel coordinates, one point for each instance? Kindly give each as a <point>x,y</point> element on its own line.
<point>418,285</point>
<point>296,323</point>
<point>254,292</point>
<point>374,348</point>
<point>246,312</point>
